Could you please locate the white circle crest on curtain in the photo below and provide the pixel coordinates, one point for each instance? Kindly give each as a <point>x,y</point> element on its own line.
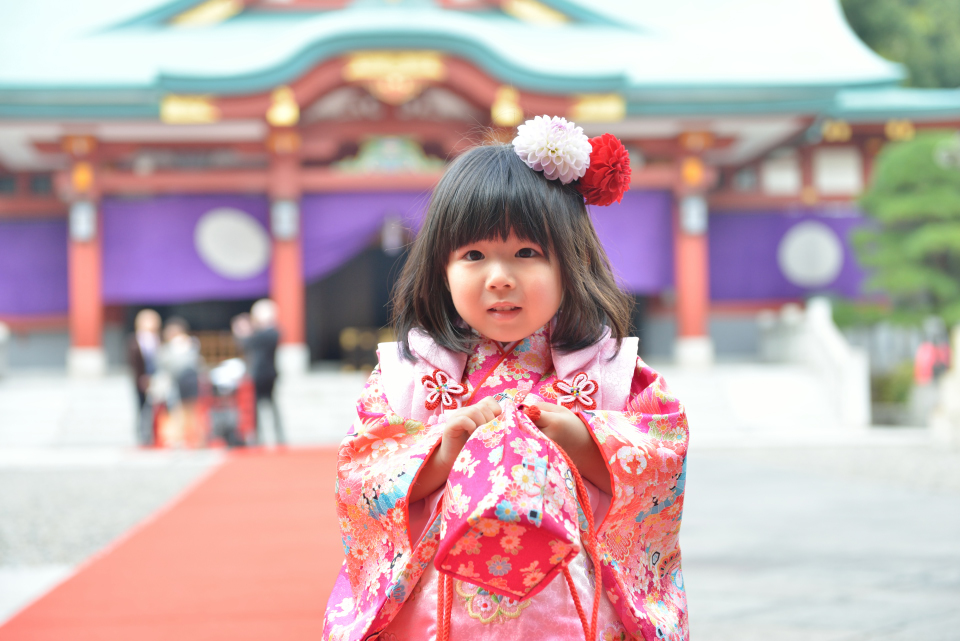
<point>232,243</point>
<point>810,254</point>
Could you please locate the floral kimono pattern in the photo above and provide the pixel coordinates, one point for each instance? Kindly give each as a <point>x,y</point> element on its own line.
<point>644,443</point>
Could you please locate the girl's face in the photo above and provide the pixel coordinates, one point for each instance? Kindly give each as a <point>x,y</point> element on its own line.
<point>506,290</point>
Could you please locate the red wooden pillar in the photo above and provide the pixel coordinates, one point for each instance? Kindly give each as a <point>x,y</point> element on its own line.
<point>287,287</point>
<point>86,356</point>
<point>691,267</point>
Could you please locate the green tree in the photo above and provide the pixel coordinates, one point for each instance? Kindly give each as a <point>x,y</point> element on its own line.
<point>924,35</point>
<point>912,249</point>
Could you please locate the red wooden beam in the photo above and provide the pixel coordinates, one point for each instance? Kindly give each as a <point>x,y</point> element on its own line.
<point>28,207</point>
<point>720,201</point>
<point>322,179</point>
<point>658,176</point>
<point>313,179</point>
<point>36,322</point>
<point>244,181</point>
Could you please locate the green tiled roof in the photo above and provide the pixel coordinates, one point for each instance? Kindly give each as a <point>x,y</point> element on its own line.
<point>117,58</point>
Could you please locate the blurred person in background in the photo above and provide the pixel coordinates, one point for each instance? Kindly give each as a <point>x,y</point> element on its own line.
<point>258,338</point>
<point>179,364</point>
<point>142,349</point>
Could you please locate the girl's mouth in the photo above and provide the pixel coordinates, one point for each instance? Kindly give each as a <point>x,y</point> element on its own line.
<point>504,312</point>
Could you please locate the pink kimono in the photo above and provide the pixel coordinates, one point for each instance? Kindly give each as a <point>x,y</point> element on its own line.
<point>388,584</point>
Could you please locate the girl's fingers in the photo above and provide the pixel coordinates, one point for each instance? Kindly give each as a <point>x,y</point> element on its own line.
<point>551,408</point>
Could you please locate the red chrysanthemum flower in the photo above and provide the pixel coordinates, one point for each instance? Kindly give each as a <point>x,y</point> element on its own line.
<point>608,176</point>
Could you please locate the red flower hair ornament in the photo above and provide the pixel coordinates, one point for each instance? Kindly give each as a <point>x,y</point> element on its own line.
<point>600,166</point>
<point>608,176</point>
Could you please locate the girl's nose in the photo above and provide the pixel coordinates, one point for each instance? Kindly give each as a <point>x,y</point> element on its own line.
<point>499,277</point>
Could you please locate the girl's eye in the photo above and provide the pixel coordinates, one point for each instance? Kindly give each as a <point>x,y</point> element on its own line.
<point>473,254</point>
<point>527,252</point>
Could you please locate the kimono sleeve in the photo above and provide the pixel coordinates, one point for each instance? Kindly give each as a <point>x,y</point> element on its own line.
<point>645,448</point>
<point>378,462</point>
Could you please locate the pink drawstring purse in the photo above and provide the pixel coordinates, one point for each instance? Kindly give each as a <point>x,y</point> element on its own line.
<point>509,522</point>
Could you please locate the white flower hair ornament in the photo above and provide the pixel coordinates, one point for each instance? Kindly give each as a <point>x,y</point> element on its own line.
<point>560,149</point>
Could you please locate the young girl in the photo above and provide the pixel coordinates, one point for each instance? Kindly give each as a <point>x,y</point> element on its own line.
<point>506,304</point>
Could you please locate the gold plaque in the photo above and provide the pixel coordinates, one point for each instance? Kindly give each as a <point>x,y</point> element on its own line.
<point>395,77</point>
<point>188,110</point>
<point>599,108</point>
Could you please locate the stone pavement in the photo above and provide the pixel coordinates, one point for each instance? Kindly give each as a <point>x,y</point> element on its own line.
<point>794,528</point>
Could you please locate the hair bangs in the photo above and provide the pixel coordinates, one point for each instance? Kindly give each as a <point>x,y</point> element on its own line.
<point>493,200</point>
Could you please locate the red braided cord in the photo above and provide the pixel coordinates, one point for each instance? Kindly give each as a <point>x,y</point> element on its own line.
<point>443,632</point>
<point>576,602</point>
<point>448,610</point>
<point>589,544</point>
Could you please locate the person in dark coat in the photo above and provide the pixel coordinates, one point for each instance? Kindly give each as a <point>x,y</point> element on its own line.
<point>258,338</point>
<point>142,348</point>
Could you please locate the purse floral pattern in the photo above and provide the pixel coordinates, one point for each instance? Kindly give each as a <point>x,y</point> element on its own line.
<point>488,607</point>
<point>643,443</point>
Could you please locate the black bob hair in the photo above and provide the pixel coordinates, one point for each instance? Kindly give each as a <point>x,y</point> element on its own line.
<point>487,193</point>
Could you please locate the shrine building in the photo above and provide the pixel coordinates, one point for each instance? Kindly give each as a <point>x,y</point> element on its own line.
<point>196,155</point>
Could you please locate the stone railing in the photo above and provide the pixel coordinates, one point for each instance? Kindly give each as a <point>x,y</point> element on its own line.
<point>946,418</point>
<point>4,348</point>
<point>810,337</point>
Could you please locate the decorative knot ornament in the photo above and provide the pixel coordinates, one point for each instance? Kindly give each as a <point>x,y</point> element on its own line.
<point>442,391</point>
<point>578,393</point>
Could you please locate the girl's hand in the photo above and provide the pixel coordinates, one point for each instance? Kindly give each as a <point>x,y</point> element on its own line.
<point>461,423</point>
<point>564,428</point>
<point>571,434</point>
<point>458,426</point>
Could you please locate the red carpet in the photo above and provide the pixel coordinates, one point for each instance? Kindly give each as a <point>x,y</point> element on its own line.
<point>250,553</point>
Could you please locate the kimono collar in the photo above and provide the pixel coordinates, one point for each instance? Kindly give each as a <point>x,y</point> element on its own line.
<point>401,379</point>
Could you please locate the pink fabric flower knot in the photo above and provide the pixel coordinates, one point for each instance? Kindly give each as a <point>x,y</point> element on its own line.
<point>579,392</point>
<point>441,391</point>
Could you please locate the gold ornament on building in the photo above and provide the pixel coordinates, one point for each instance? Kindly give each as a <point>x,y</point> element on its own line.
<point>696,140</point>
<point>395,77</point>
<point>284,110</point>
<point>609,107</point>
<point>188,110</point>
<point>81,177</point>
<point>692,171</point>
<point>208,13</point>
<point>809,195</point>
<point>533,12</point>
<point>836,131</point>
<point>284,141</point>
<point>79,146</point>
<point>899,130</point>
<point>505,110</point>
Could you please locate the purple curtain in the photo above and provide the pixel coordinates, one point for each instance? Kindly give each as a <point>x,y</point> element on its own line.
<point>149,254</point>
<point>743,254</point>
<point>33,267</point>
<point>336,227</point>
<point>637,235</point>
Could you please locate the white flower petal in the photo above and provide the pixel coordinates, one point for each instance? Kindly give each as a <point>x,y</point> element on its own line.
<point>558,148</point>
